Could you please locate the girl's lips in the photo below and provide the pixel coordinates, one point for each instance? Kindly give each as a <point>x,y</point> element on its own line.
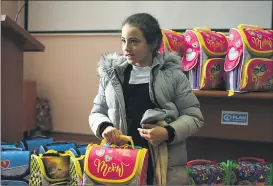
<point>129,56</point>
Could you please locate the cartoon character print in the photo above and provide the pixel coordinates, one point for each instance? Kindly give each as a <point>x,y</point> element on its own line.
<point>257,75</point>
<point>191,51</point>
<point>235,50</point>
<point>56,167</point>
<point>214,75</point>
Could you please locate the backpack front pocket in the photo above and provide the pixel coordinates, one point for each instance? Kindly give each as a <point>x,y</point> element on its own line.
<point>212,74</point>
<point>257,75</point>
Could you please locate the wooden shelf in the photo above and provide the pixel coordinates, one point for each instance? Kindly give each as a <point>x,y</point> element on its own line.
<point>30,43</point>
<point>224,94</point>
<point>258,105</point>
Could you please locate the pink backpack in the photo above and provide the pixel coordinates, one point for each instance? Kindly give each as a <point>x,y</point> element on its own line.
<point>172,42</point>
<point>204,56</point>
<point>249,61</point>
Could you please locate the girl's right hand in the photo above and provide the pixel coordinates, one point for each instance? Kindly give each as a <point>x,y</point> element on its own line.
<point>111,134</point>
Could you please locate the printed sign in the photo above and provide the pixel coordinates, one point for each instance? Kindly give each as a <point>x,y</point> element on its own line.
<point>234,118</point>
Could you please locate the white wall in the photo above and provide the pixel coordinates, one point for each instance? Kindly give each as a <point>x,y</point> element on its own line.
<point>108,15</point>
<point>66,73</point>
<point>11,8</point>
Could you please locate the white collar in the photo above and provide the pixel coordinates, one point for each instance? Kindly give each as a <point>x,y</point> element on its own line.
<point>140,75</point>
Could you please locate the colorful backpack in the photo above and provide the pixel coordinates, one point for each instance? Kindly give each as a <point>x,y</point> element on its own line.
<point>59,146</point>
<point>76,167</point>
<point>250,171</point>
<point>204,57</point>
<point>172,42</point>
<point>50,168</point>
<point>15,166</point>
<point>249,61</point>
<point>79,150</point>
<point>115,165</point>
<point>206,172</point>
<point>33,143</point>
<point>8,145</point>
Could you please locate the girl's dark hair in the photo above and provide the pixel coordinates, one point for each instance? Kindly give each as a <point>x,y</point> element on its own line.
<point>149,26</point>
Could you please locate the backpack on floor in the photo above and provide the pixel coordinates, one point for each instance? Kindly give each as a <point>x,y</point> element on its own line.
<point>50,168</point>
<point>76,167</point>
<point>206,172</point>
<point>59,146</point>
<point>15,168</point>
<point>33,143</point>
<point>250,171</point>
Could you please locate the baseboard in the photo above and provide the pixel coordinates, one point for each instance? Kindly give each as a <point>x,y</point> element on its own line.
<point>74,137</point>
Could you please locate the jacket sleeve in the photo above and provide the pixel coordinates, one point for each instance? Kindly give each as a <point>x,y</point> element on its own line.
<point>190,118</point>
<point>98,114</point>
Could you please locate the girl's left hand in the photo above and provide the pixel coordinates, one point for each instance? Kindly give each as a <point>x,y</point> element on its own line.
<point>153,133</point>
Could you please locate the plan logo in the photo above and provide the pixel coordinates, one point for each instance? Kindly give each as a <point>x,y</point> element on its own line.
<point>234,118</point>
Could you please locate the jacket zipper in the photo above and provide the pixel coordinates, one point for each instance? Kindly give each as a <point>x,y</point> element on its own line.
<point>153,90</point>
<point>154,100</point>
<point>116,73</point>
<point>123,114</point>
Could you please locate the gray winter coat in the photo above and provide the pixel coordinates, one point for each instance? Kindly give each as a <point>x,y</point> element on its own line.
<point>169,89</point>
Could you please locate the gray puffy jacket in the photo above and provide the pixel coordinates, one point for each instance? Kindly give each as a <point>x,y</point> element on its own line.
<point>169,89</point>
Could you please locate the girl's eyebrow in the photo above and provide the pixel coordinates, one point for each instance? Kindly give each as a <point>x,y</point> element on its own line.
<point>131,38</point>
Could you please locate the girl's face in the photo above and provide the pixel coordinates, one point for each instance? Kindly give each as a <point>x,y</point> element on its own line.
<point>135,47</point>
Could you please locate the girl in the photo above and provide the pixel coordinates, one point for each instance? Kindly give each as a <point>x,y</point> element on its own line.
<point>143,79</point>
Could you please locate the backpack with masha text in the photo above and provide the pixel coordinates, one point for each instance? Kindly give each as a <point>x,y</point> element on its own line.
<point>249,61</point>
<point>204,56</point>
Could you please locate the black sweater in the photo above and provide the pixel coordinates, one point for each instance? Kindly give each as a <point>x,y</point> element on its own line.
<point>137,101</point>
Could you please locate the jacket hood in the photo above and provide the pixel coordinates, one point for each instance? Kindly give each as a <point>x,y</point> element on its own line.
<point>110,61</point>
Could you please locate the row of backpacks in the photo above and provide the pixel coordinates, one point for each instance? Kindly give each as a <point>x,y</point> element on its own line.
<point>44,161</point>
<point>239,61</point>
<point>243,171</point>
<point>41,160</point>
